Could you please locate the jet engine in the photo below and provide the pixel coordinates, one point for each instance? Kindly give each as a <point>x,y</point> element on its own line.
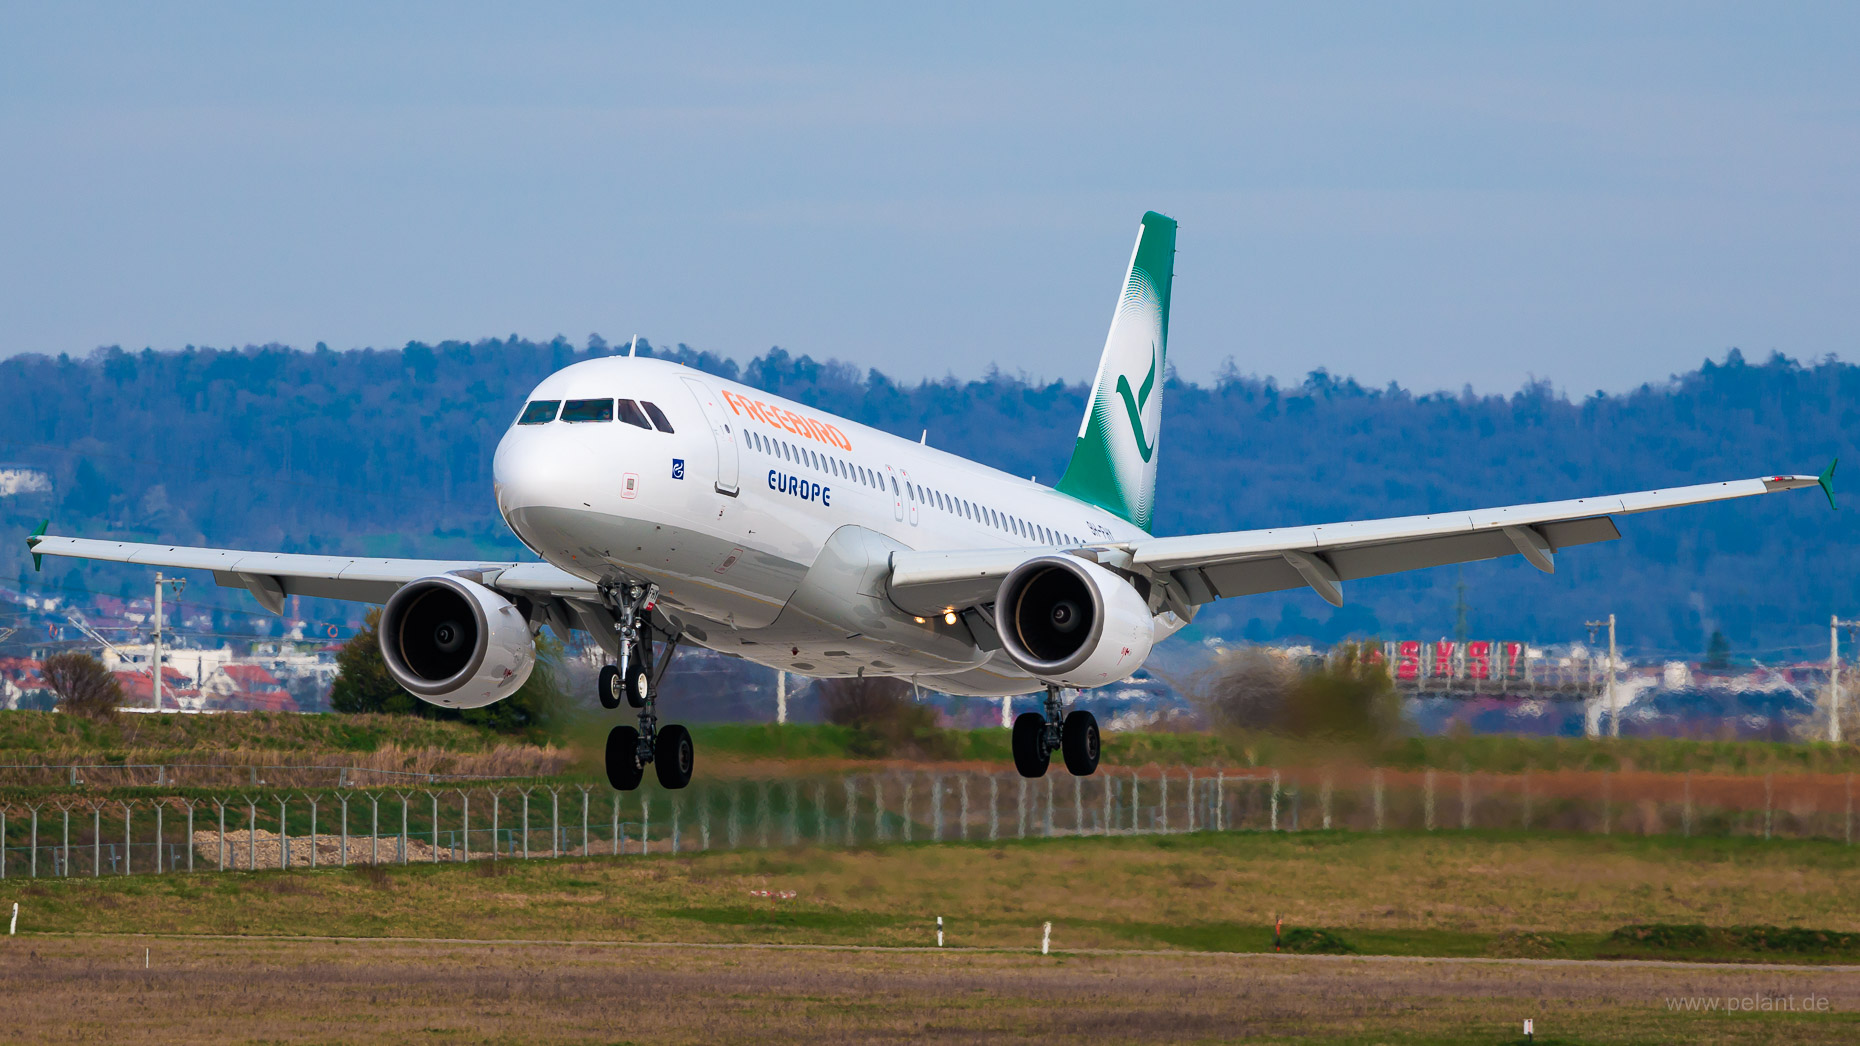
<point>1070,621</point>
<point>455,643</point>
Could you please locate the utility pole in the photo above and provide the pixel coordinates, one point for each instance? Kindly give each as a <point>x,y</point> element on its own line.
<point>1614,710</point>
<point>179,584</point>
<point>1835,624</point>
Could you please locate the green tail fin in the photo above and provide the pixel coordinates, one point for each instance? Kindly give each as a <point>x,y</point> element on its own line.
<point>1114,460</point>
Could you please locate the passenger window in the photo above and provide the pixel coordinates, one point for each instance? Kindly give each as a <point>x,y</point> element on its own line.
<point>894,486</point>
<point>658,417</point>
<point>539,412</point>
<point>588,410</point>
<point>632,415</point>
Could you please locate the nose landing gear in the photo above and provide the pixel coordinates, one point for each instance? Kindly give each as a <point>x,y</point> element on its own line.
<point>635,679</point>
<point>1038,735</point>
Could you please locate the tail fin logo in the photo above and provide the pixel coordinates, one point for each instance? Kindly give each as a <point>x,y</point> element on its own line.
<point>1133,406</point>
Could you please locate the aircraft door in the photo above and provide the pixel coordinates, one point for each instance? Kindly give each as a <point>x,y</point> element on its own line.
<point>728,462</point>
<point>897,495</point>
<point>910,496</point>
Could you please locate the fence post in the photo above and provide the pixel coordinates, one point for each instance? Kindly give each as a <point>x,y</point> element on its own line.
<point>159,808</point>
<point>405,799</point>
<point>910,780</point>
<point>526,823</point>
<point>496,821</point>
<point>220,865</point>
<point>1190,804</point>
<point>1685,820</point>
<point>879,834</point>
<point>1768,816</point>
<point>190,834</point>
<point>1325,787</point>
<point>1427,809</point>
<point>820,813</point>
<point>32,865</point>
<point>434,796</point>
<point>3,811</point>
<point>1163,801</point>
<point>936,808</point>
<point>1608,801</point>
<point>465,832</point>
<point>791,823</point>
<point>852,810</point>
<point>645,825</point>
<point>1527,798</point>
<point>251,824</point>
<point>1023,808</point>
<point>343,798</point>
<point>1220,800</point>
<point>1465,801</point>
<point>1078,805</point>
<point>614,839</point>
<point>994,808</point>
<point>1275,800</point>
<point>677,811</point>
<point>1109,807</point>
<point>555,820</point>
<point>1135,827</point>
<point>374,829</point>
<point>284,839</point>
<point>65,863</point>
<point>1380,806</point>
<point>96,840</point>
<point>311,797</point>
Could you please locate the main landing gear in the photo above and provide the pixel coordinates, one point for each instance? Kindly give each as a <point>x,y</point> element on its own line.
<point>635,680</point>
<point>1037,735</point>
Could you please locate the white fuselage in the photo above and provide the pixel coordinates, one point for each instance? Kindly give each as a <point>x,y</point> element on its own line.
<point>730,512</point>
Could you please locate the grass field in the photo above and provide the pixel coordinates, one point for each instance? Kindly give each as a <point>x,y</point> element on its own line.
<point>1472,894</point>
<point>203,990</point>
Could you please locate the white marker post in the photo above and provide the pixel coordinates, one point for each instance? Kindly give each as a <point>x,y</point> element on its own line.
<point>13,927</point>
<point>939,931</point>
<point>1530,1029</point>
<point>1046,938</point>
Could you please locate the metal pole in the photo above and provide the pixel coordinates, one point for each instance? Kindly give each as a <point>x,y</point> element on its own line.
<point>284,837</point>
<point>994,808</point>
<point>190,835</point>
<point>221,866</point>
<point>496,821</point>
<point>1614,701</point>
<point>251,824</point>
<point>155,668</point>
<point>96,841</point>
<point>465,834</point>
<point>434,796</point>
<point>1428,808</point>
<point>345,829</point>
<point>962,817</point>
<point>1834,679</point>
<point>781,696</point>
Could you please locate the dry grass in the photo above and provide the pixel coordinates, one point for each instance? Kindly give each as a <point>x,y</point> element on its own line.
<point>96,989</point>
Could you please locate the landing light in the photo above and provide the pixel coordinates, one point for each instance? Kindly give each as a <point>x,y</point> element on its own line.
<point>949,618</point>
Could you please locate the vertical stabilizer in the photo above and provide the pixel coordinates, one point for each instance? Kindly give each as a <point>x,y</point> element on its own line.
<point>1114,461</point>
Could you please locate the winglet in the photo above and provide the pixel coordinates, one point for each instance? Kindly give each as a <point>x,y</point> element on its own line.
<point>1826,479</point>
<point>32,541</point>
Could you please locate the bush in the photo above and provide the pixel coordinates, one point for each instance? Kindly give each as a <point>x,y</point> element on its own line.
<point>1347,697</point>
<point>82,685</point>
<point>884,718</point>
<point>1315,942</point>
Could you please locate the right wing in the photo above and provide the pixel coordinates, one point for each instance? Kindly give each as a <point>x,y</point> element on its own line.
<point>270,576</point>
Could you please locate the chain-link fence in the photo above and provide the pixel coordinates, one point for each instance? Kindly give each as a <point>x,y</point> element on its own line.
<point>256,829</point>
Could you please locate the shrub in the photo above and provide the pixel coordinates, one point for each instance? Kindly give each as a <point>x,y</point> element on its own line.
<point>363,685</point>
<point>83,686</point>
<point>884,718</point>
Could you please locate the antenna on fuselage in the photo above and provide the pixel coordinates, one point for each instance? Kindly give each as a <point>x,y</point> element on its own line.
<point>924,440</point>
<point>634,347</point>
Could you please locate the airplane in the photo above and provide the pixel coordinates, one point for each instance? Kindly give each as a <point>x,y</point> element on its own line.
<point>670,507</point>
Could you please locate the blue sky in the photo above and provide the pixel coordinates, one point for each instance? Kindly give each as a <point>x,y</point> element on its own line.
<point>1430,194</point>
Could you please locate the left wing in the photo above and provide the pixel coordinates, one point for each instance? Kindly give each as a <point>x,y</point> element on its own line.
<point>1193,569</point>
<point>270,576</point>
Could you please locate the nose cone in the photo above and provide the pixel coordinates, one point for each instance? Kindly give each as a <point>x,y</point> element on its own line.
<point>538,471</point>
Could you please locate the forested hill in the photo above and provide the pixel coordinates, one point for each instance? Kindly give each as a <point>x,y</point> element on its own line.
<point>388,452</point>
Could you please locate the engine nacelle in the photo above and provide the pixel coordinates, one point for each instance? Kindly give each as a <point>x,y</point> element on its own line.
<point>455,643</point>
<point>1070,621</point>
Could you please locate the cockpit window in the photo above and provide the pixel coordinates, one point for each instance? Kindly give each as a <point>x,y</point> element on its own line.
<point>588,410</point>
<point>630,413</point>
<point>658,416</point>
<point>539,412</point>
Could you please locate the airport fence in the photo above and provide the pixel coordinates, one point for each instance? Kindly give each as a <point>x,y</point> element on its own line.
<point>308,828</point>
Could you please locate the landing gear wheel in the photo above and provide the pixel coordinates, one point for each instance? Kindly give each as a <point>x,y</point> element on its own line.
<point>638,687</point>
<point>609,690</point>
<point>1078,739</point>
<point>1031,756</point>
<point>623,769</point>
<point>673,756</point>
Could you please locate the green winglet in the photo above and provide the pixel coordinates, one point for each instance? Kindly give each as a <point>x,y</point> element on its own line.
<point>1826,479</point>
<point>32,541</point>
